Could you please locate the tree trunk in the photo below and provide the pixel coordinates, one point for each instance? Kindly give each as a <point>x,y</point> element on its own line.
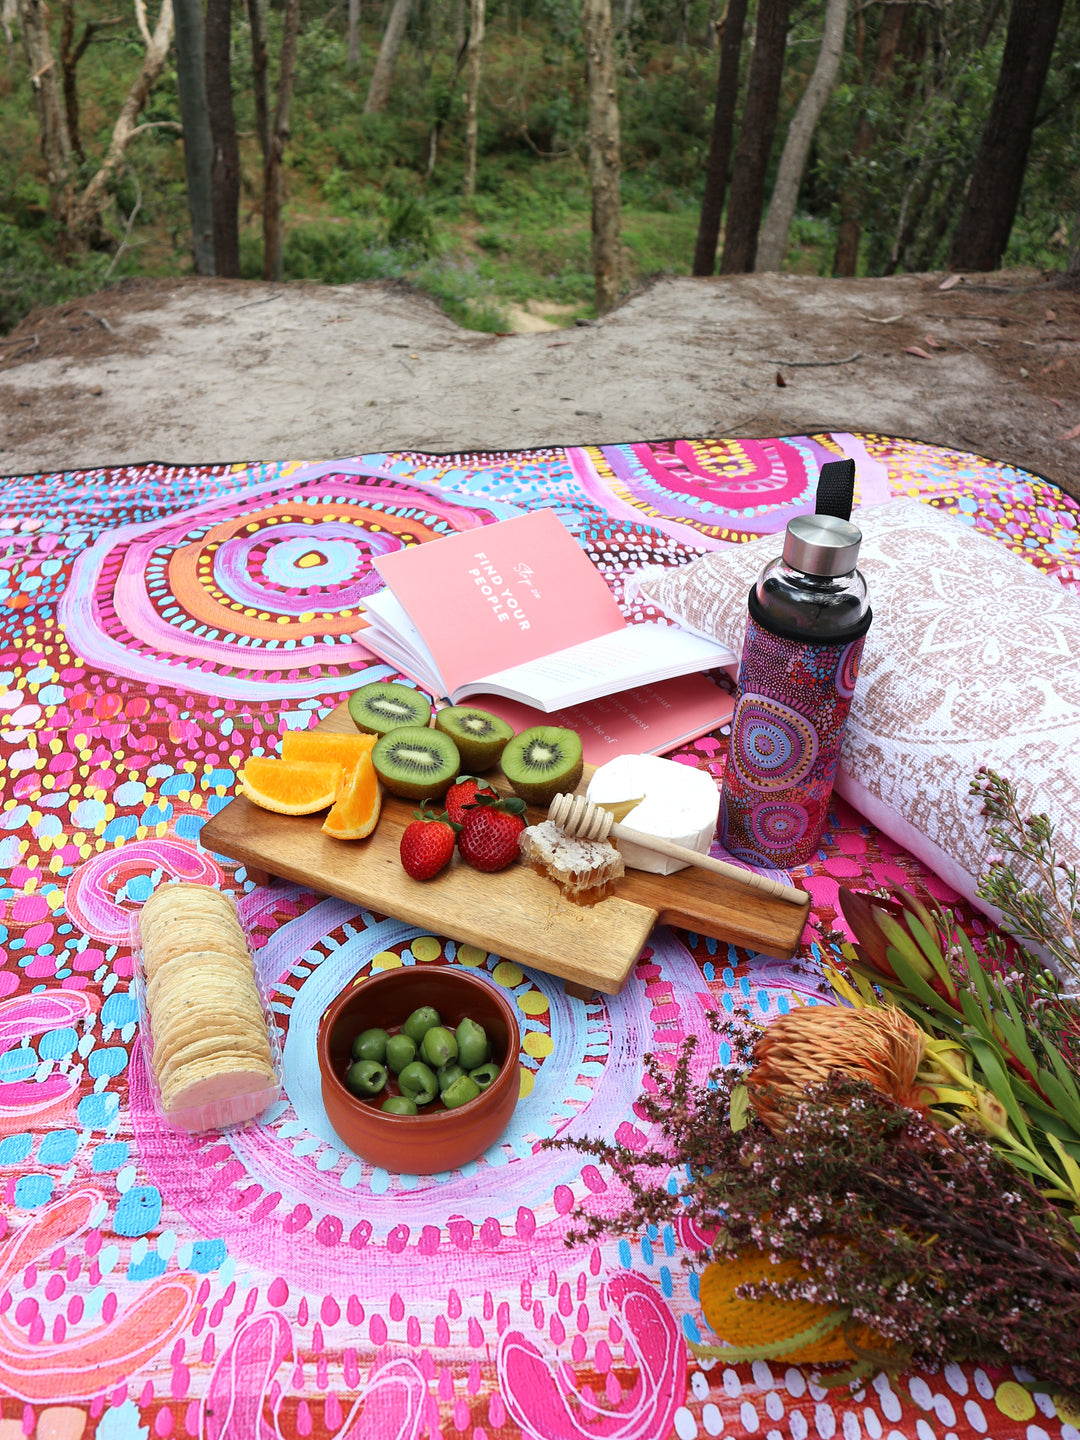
<point>68,62</point>
<point>195,115</point>
<point>719,162</point>
<point>382,79</point>
<point>712,28</point>
<point>444,100</point>
<point>90,206</point>
<point>604,157</point>
<point>260,73</point>
<point>994,193</point>
<point>273,186</point>
<point>774,237</point>
<point>8,13</point>
<point>352,61</point>
<point>52,119</point>
<point>472,94</point>
<point>846,257</point>
<point>225,167</point>
<point>756,137</point>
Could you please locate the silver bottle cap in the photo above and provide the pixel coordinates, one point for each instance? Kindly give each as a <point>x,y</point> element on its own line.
<point>822,545</point>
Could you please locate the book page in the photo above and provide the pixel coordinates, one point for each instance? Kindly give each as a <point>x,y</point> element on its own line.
<point>647,720</point>
<point>632,656</point>
<point>392,635</point>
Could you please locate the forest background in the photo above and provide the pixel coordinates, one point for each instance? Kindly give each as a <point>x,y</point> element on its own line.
<point>377,193</point>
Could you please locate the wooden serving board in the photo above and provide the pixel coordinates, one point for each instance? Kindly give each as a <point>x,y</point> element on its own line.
<point>515,913</point>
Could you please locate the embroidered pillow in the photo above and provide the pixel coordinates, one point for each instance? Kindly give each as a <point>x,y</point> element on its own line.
<point>973,659</point>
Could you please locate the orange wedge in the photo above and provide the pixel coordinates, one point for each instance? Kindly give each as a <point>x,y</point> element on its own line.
<point>291,787</point>
<point>356,811</point>
<point>347,750</point>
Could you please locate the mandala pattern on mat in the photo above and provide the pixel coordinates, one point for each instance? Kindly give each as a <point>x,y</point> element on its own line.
<point>267,1283</point>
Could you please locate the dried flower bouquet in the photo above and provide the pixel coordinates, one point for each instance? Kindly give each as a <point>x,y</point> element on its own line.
<point>895,1179</point>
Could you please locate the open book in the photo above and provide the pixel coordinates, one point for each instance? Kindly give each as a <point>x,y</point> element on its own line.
<point>647,720</point>
<point>517,609</point>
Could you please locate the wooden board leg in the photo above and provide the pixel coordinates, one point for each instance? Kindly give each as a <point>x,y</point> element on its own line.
<point>257,876</point>
<point>579,992</point>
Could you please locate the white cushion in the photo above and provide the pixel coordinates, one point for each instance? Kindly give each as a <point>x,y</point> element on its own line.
<point>973,659</point>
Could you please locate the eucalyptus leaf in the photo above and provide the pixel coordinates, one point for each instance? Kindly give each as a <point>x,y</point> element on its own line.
<point>914,982</point>
<point>997,1079</point>
<point>932,950</point>
<point>1068,1106</point>
<point>975,1016</point>
<point>1068,1164</point>
<point>739,1109</point>
<point>1014,1032</point>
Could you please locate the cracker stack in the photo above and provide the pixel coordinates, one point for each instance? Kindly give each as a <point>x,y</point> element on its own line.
<point>210,1046</point>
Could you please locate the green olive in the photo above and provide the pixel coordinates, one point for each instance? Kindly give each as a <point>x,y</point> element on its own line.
<point>438,1046</point>
<point>400,1051</point>
<point>366,1077</point>
<point>484,1074</point>
<point>460,1092</point>
<point>399,1105</point>
<point>472,1043</point>
<point>418,1082</point>
<point>370,1045</point>
<point>448,1074</point>
<point>420,1022</point>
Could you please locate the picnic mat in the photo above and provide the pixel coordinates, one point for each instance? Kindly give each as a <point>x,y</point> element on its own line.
<point>160,624</point>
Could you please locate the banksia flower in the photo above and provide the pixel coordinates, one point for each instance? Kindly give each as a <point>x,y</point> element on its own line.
<point>883,1047</point>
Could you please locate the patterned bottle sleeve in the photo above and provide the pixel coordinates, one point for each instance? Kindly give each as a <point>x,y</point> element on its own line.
<point>794,698</point>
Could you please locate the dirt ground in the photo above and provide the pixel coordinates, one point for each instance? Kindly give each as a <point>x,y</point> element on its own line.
<point>232,371</point>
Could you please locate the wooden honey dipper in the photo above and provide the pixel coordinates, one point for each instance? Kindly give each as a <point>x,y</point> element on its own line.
<point>585,820</point>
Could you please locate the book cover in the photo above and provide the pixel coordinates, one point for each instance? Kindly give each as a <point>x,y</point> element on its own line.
<point>500,596</point>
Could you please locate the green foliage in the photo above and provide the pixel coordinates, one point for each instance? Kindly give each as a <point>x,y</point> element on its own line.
<point>373,196</point>
<point>30,276</point>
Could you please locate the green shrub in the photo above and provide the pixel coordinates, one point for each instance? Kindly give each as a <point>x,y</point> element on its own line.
<point>30,276</point>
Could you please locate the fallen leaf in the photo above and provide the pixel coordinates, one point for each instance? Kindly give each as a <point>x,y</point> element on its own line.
<point>934,344</point>
<point>1051,315</point>
<point>1073,434</point>
<point>914,350</point>
<point>950,282</point>
<point>781,381</point>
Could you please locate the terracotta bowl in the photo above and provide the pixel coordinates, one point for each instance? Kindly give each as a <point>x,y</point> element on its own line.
<point>439,1139</point>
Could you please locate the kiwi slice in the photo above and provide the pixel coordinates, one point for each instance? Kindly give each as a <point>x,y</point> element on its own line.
<point>383,706</point>
<point>416,762</point>
<point>479,735</point>
<point>543,761</point>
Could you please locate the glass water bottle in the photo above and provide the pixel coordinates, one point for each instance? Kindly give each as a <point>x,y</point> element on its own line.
<point>808,619</point>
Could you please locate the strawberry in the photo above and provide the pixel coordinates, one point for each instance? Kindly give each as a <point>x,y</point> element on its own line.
<point>489,832</point>
<point>427,844</point>
<point>464,792</point>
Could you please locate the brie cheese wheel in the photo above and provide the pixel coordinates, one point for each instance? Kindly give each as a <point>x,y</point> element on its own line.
<point>680,804</point>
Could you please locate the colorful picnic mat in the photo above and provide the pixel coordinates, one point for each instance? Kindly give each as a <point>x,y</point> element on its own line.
<point>158,625</point>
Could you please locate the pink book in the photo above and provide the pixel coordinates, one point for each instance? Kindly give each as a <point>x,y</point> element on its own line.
<point>517,609</point>
<point>648,720</point>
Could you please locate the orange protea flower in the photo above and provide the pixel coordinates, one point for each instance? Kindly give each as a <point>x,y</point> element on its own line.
<point>881,1046</point>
